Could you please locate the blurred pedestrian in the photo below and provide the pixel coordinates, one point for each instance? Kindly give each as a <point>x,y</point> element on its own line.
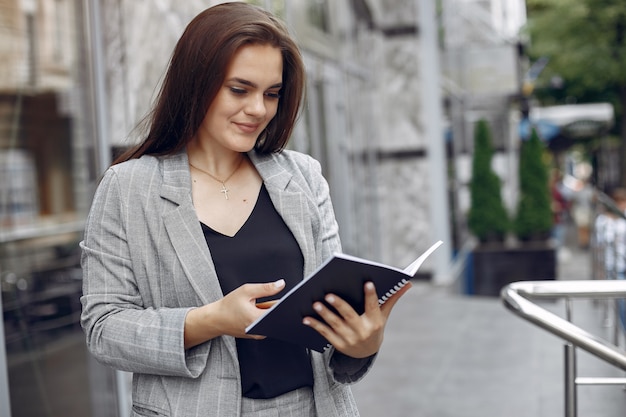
<point>610,234</point>
<point>582,211</point>
<point>560,208</point>
<point>209,214</point>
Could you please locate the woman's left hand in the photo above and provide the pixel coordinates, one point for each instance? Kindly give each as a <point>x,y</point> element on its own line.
<point>358,336</point>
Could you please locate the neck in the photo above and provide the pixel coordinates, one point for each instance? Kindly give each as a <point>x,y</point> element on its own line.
<point>221,179</point>
<point>219,163</point>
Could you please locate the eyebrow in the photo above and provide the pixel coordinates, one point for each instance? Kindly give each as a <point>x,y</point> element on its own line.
<point>253,85</point>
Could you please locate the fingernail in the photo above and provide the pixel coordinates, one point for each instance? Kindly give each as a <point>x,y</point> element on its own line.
<point>306,322</point>
<point>279,283</point>
<point>317,307</point>
<point>330,299</point>
<point>369,286</point>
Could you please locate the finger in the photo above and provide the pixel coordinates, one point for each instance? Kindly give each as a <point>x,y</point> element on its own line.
<point>343,328</point>
<point>254,336</point>
<point>323,329</point>
<point>328,316</point>
<point>391,301</point>
<point>371,297</point>
<point>329,319</point>
<point>343,308</point>
<point>350,338</point>
<point>265,289</point>
<point>266,304</point>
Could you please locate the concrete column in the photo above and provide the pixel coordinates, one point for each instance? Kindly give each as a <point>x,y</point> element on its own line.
<point>433,131</point>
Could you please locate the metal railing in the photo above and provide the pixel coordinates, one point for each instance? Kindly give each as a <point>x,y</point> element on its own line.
<point>516,297</point>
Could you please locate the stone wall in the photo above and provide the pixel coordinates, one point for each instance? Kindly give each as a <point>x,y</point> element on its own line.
<point>139,37</point>
<point>403,185</point>
<point>12,52</point>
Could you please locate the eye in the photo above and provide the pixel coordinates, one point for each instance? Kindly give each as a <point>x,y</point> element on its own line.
<point>237,90</point>
<point>273,94</point>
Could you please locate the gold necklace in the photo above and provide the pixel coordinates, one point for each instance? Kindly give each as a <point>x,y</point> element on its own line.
<point>224,189</point>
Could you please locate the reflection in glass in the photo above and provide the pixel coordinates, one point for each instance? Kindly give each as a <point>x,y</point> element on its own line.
<point>44,191</point>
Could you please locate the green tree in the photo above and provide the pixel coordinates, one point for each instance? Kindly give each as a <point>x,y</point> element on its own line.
<point>585,41</point>
<point>487,218</point>
<point>534,214</point>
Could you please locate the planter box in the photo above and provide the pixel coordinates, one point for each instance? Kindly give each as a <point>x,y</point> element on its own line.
<point>494,267</point>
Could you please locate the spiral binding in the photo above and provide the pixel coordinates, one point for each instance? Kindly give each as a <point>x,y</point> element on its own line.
<point>392,291</point>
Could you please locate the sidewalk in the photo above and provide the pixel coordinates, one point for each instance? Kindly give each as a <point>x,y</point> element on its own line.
<point>450,355</point>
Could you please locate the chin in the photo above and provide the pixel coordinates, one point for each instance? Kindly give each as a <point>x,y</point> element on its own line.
<point>244,147</point>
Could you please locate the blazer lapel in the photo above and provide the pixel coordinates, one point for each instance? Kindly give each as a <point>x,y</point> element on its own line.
<point>184,230</point>
<point>185,233</point>
<point>291,203</point>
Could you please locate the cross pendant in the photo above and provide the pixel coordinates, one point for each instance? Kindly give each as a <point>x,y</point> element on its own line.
<point>224,190</point>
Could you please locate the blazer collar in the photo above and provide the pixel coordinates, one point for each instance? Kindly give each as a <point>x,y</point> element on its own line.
<point>273,174</point>
<point>291,202</point>
<point>176,178</point>
<point>184,230</point>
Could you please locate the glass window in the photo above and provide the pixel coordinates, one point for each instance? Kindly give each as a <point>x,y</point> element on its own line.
<point>45,187</point>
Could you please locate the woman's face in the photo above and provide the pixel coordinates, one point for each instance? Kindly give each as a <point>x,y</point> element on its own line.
<point>247,100</point>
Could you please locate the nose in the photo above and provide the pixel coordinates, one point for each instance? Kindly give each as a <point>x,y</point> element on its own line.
<point>256,106</point>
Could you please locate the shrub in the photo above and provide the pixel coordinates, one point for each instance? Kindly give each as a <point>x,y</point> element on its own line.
<point>487,218</point>
<point>534,215</point>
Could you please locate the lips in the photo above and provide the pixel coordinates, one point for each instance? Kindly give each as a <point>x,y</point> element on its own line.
<point>248,127</point>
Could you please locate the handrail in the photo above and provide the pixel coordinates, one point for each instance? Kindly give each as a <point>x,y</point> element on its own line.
<point>39,230</point>
<point>609,204</point>
<point>515,297</point>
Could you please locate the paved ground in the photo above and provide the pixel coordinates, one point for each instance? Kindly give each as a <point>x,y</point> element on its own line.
<point>450,355</point>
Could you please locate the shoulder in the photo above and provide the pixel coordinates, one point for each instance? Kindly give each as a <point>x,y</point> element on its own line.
<point>291,169</point>
<point>144,164</point>
<point>138,170</point>
<point>296,163</point>
<point>135,175</point>
<point>288,156</point>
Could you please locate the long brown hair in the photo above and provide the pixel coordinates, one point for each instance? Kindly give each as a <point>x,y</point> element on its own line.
<point>197,70</point>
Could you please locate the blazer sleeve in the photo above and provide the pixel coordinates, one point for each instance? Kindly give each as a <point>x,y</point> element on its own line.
<point>120,330</point>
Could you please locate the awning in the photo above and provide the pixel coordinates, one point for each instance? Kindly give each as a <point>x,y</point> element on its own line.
<point>573,121</point>
<point>545,129</point>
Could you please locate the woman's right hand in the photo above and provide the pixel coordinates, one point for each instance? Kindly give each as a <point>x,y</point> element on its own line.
<point>229,315</point>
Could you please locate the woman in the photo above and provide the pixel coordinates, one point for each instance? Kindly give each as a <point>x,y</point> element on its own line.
<point>208,215</point>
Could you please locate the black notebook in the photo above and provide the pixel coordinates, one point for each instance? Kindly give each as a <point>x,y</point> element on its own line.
<point>343,275</point>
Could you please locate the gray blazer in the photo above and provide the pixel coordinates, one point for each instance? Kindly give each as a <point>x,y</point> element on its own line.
<point>146,264</point>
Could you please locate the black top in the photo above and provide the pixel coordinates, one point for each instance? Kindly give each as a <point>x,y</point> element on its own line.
<point>263,250</point>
